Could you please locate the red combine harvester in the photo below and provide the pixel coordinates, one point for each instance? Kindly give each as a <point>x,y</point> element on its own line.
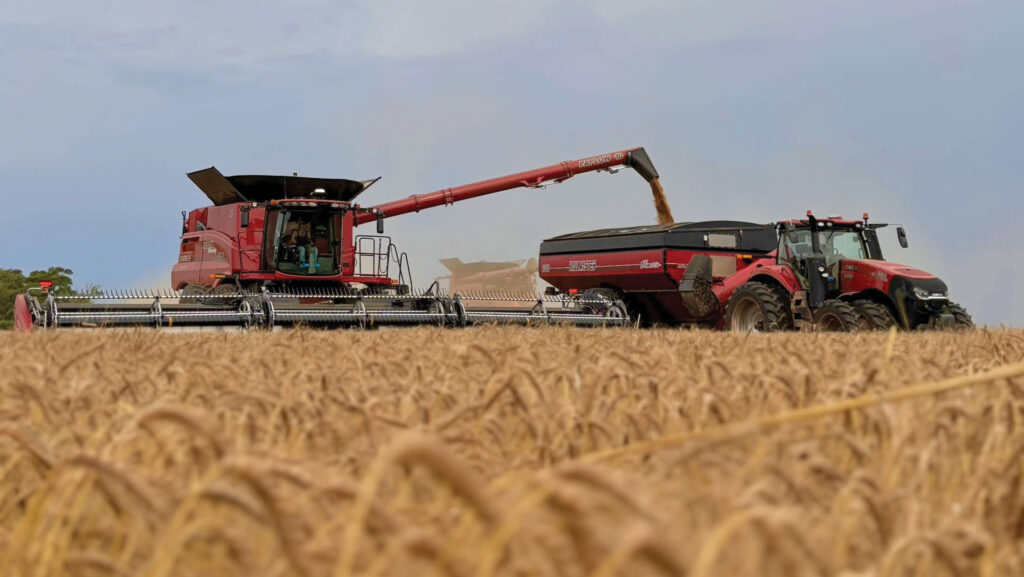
<point>824,274</point>
<point>284,249</point>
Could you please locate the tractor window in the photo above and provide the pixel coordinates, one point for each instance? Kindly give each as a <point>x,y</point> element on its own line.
<point>795,245</point>
<point>839,244</point>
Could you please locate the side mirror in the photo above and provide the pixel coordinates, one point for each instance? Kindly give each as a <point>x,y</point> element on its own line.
<point>380,224</point>
<point>901,234</point>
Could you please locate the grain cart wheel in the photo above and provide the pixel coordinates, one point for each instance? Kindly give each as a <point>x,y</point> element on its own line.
<point>755,307</point>
<point>877,316</point>
<point>838,316</point>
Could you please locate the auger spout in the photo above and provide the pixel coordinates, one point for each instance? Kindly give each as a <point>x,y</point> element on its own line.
<point>635,158</point>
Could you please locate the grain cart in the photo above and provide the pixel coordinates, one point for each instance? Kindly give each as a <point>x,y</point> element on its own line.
<point>826,274</point>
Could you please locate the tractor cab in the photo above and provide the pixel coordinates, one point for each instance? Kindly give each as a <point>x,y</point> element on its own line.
<point>816,248</point>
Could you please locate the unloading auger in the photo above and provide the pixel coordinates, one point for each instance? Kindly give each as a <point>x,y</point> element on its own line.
<point>283,250</point>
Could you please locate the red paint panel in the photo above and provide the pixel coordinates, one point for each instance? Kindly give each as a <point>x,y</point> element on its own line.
<point>190,260</point>
<point>22,316</point>
<point>629,270</point>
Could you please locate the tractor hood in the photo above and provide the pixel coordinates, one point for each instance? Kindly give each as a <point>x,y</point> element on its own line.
<point>222,189</point>
<point>891,269</point>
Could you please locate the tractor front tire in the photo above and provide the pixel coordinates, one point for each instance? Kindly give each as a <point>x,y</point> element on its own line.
<point>756,307</point>
<point>961,320</point>
<point>838,316</point>
<point>877,316</point>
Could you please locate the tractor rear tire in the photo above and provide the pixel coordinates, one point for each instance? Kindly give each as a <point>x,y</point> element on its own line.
<point>756,307</point>
<point>878,317</point>
<point>838,316</point>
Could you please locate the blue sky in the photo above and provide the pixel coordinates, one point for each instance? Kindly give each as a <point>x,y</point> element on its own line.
<point>912,111</point>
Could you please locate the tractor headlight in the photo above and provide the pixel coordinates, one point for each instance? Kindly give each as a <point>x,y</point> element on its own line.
<point>925,295</point>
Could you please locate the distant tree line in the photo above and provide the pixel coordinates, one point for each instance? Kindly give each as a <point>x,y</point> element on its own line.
<point>13,282</point>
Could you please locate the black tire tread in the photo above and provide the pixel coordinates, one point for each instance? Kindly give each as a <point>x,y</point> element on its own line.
<point>878,316</point>
<point>775,309</point>
<point>851,318</point>
<point>962,319</point>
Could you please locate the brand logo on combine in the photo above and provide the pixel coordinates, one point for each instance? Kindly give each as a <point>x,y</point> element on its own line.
<point>545,268</point>
<point>582,265</point>
<point>595,160</point>
<point>619,156</point>
<point>649,264</point>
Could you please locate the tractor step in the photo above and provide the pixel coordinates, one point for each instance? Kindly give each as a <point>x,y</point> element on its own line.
<point>803,318</point>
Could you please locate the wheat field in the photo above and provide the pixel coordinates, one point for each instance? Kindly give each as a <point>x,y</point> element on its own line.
<point>509,451</point>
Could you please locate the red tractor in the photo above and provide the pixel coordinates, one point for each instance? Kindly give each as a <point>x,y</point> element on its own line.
<point>826,274</point>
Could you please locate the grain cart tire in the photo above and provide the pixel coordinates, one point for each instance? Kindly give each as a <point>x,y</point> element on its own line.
<point>877,316</point>
<point>755,307</point>
<point>837,316</point>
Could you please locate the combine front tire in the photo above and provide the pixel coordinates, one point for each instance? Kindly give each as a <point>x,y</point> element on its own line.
<point>838,316</point>
<point>194,293</point>
<point>877,316</point>
<point>755,307</point>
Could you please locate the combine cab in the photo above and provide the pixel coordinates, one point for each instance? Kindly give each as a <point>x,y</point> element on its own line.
<point>278,250</point>
<point>823,274</point>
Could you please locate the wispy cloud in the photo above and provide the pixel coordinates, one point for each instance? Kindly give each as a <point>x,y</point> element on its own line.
<point>751,110</point>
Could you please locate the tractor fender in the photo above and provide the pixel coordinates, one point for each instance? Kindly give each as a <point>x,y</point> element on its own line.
<point>780,275</point>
